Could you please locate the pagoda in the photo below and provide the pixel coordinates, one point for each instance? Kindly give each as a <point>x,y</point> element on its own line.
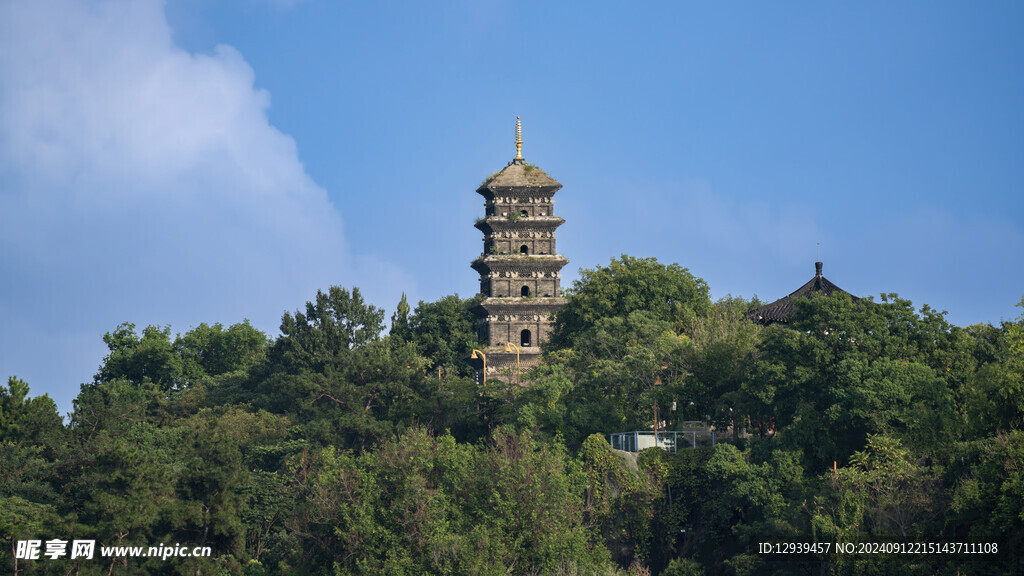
<point>520,269</point>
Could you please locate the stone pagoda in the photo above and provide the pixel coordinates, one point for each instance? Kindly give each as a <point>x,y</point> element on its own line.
<point>520,269</point>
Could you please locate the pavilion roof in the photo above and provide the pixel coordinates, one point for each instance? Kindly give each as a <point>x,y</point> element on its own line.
<point>782,309</point>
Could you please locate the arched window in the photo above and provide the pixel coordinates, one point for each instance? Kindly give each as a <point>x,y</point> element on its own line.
<point>524,338</point>
<point>523,213</point>
<point>525,291</point>
<point>524,250</point>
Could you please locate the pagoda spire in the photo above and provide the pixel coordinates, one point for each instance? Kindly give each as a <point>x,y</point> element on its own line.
<point>519,143</point>
<point>519,266</point>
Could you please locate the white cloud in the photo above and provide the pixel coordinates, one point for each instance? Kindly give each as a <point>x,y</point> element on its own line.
<point>142,182</point>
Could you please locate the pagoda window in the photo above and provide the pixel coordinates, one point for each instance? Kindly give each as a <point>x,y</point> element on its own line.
<point>524,250</point>
<point>525,291</point>
<point>524,338</point>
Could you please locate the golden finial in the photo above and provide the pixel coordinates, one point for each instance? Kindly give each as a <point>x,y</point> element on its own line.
<point>519,140</point>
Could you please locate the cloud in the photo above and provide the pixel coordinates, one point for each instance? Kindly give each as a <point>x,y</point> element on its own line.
<point>140,182</point>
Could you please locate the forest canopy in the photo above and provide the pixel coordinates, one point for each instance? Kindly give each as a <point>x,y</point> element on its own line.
<point>344,446</point>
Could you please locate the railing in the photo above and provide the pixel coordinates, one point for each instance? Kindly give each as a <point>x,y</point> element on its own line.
<point>669,440</point>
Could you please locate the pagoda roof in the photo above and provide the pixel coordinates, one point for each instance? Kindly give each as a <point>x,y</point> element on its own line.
<point>539,262</point>
<point>782,309</point>
<point>519,174</point>
<point>520,304</point>
<point>502,223</point>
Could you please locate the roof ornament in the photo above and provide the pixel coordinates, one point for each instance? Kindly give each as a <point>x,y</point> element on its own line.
<point>519,143</point>
<point>782,310</point>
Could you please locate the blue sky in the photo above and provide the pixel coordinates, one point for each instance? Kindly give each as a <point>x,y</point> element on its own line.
<point>210,161</point>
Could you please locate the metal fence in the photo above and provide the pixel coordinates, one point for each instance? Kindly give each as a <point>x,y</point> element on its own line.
<point>668,440</point>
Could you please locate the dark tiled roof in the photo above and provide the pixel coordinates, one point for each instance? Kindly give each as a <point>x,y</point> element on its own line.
<point>782,309</point>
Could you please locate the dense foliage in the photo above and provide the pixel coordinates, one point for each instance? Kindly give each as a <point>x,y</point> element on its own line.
<point>338,449</point>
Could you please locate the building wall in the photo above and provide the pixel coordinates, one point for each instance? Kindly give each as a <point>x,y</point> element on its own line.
<point>496,332</point>
<point>533,206</point>
<point>537,243</point>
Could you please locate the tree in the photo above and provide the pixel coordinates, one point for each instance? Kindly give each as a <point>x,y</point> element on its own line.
<point>336,322</point>
<point>331,371</point>
<point>1002,385</point>
<point>621,368</point>
<point>622,502</point>
<point>628,285</point>
<point>32,438</point>
<point>848,369</point>
<point>149,358</point>
<point>753,499</point>
<point>208,351</point>
<point>445,333</point>
<point>428,505</point>
<point>400,320</point>
<point>723,352</point>
<point>30,420</point>
<point>988,496</point>
<point>217,475</point>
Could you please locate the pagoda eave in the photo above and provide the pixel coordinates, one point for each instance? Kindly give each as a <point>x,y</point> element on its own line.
<point>490,191</point>
<point>511,304</point>
<point>540,262</point>
<point>496,224</point>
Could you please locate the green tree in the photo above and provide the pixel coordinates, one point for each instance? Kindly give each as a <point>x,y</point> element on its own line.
<point>988,495</point>
<point>683,567</point>
<point>628,285</point>
<point>995,397</point>
<point>719,362</point>
<point>331,372</point>
<point>622,499</point>
<point>124,486</point>
<point>753,499</point>
<point>445,333</point>
<point>895,492</point>
<point>356,398</point>
<point>28,420</point>
<point>32,439</point>
<point>217,478</point>
<point>211,350</point>
<point>149,358</point>
<point>620,369</point>
<point>425,505</point>
<point>115,406</point>
<point>400,320</point>
<point>21,519</point>
<point>542,405</point>
<point>848,369</point>
<point>336,322</point>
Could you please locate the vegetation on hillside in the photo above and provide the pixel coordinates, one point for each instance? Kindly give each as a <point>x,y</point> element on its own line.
<point>337,448</point>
